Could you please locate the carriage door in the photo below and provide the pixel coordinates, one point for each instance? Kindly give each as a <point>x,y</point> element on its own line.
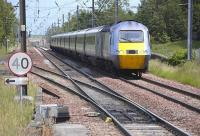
<point>99,44</point>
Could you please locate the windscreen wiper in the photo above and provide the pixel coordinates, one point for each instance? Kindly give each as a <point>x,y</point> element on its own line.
<point>126,39</point>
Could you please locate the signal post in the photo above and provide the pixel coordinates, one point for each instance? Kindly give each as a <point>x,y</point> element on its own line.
<point>22,5</point>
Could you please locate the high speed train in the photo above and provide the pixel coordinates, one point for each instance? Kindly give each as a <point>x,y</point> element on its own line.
<point>124,46</point>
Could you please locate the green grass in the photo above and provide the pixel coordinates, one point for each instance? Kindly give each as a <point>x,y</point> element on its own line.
<point>12,119</point>
<point>188,73</point>
<point>168,49</point>
<point>2,52</point>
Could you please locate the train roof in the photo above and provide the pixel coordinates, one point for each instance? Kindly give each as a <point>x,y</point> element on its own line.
<point>80,32</point>
<point>104,28</point>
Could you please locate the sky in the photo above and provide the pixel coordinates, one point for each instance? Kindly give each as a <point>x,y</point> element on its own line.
<point>50,11</point>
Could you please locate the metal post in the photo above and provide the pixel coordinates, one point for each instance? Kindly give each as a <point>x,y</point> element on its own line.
<point>5,19</point>
<point>189,39</point>
<point>69,21</point>
<point>58,23</point>
<point>77,14</point>
<point>52,32</point>
<point>93,23</point>
<point>58,28</point>
<point>54,28</point>
<point>21,95</point>
<point>116,11</point>
<point>63,21</point>
<point>7,44</point>
<point>23,34</point>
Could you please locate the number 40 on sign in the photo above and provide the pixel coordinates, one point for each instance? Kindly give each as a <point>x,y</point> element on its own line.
<point>20,63</point>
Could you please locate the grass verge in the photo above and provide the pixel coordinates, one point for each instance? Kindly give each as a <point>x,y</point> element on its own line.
<point>12,120</point>
<point>168,49</point>
<point>188,73</point>
<point>2,52</point>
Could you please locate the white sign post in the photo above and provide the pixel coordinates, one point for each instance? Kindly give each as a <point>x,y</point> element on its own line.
<point>19,64</point>
<point>18,81</point>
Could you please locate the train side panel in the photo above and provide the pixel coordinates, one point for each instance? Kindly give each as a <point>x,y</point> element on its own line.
<point>90,45</point>
<point>72,43</point>
<point>106,45</point>
<point>67,43</point>
<point>80,44</point>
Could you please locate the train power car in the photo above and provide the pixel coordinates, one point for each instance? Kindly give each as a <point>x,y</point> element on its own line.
<point>124,46</point>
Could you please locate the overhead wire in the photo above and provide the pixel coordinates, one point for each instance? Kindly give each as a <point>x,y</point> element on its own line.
<point>40,24</point>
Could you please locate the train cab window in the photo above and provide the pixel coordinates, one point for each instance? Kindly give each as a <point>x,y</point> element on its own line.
<point>131,36</point>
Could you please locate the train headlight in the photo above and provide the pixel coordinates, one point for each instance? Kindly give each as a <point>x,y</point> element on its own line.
<point>143,52</point>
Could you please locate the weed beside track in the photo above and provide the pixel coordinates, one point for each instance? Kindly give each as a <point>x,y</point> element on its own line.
<point>13,120</point>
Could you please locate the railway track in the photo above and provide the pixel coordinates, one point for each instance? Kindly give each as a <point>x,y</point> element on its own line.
<point>186,99</point>
<point>130,117</point>
<point>182,97</point>
<point>185,92</point>
<point>179,96</point>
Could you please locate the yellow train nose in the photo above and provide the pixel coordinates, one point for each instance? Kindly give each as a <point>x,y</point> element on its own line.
<point>132,61</point>
<point>132,55</point>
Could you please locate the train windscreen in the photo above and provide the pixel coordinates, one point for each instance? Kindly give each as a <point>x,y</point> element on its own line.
<point>131,36</point>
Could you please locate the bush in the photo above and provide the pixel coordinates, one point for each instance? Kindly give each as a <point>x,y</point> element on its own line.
<point>152,39</point>
<point>178,58</point>
<point>162,37</point>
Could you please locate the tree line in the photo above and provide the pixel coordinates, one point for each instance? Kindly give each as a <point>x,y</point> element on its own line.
<point>8,23</point>
<point>166,19</point>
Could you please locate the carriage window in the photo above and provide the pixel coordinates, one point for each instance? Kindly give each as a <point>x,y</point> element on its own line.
<point>131,36</point>
<point>90,40</point>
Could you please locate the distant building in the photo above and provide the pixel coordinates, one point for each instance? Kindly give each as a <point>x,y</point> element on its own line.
<point>37,41</point>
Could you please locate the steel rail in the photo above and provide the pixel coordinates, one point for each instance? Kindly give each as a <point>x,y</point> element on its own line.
<point>164,96</point>
<point>196,96</point>
<point>98,83</point>
<point>121,127</point>
<point>88,99</point>
<point>80,82</point>
<point>77,81</point>
<point>99,89</point>
<point>164,122</point>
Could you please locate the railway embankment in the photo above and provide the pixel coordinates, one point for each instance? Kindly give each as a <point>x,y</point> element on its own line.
<point>169,61</point>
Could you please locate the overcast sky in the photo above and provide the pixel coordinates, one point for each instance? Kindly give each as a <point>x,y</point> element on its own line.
<point>50,11</point>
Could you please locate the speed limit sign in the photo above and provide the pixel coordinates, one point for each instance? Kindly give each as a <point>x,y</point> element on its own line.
<point>20,63</point>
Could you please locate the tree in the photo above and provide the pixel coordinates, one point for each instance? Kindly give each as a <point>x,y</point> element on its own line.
<point>164,18</point>
<point>7,22</point>
<point>196,19</point>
